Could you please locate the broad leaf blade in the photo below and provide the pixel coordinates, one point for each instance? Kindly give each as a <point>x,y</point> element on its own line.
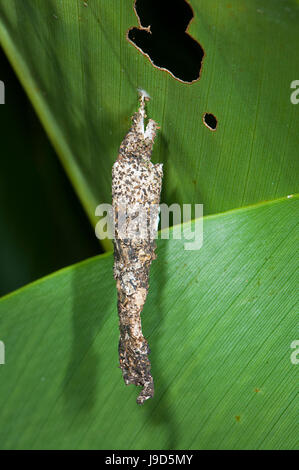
<point>220,322</point>
<point>82,74</point>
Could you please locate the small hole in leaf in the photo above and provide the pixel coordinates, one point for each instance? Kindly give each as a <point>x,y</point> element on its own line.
<point>163,37</point>
<point>210,121</point>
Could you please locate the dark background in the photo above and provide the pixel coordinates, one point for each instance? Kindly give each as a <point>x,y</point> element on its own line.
<point>42,224</point>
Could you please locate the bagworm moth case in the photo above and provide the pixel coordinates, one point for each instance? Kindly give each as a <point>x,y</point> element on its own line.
<point>136,188</point>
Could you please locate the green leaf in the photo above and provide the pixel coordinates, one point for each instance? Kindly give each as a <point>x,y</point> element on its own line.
<point>220,322</point>
<point>81,74</point>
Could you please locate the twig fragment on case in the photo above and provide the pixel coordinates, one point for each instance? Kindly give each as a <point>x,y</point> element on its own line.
<point>136,188</point>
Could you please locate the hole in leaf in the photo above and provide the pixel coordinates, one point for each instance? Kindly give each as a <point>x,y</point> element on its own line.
<point>210,121</point>
<point>163,38</point>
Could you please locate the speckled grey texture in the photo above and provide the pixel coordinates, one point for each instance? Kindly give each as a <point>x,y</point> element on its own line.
<point>136,188</point>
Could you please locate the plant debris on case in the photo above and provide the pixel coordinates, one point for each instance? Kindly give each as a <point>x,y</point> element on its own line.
<point>136,188</point>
